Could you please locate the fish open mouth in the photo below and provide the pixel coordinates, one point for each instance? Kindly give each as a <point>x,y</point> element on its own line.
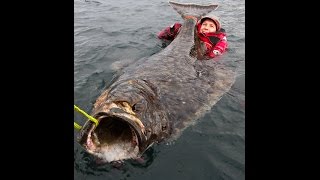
<point>114,138</point>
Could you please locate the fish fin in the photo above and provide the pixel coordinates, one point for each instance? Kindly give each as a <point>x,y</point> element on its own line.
<point>119,65</point>
<point>193,10</point>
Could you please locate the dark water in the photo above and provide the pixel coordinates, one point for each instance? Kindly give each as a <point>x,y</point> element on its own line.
<point>108,31</point>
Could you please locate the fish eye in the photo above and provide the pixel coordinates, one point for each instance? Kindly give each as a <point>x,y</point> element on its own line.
<point>138,106</point>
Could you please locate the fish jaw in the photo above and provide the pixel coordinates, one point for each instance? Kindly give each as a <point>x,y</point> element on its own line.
<point>118,136</point>
<point>112,140</point>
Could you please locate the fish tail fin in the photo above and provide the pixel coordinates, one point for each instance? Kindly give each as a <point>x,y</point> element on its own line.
<point>190,9</point>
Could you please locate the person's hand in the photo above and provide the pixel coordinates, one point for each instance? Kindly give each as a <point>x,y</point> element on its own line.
<point>185,17</point>
<point>216,52</point>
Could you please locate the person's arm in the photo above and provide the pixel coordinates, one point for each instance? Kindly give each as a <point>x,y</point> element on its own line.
<point>220,47</point>
<point>169,33</point>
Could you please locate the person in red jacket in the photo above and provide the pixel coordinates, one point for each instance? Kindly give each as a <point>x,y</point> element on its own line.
<point>209,32</point>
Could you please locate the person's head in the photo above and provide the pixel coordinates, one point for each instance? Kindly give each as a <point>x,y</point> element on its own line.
<point>209,24</point>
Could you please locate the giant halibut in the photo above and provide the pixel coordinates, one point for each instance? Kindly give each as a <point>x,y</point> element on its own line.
<point>157,97</point>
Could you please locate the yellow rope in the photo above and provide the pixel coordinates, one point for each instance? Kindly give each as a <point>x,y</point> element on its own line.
<point>77,126</point>
<point>85,114</point>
